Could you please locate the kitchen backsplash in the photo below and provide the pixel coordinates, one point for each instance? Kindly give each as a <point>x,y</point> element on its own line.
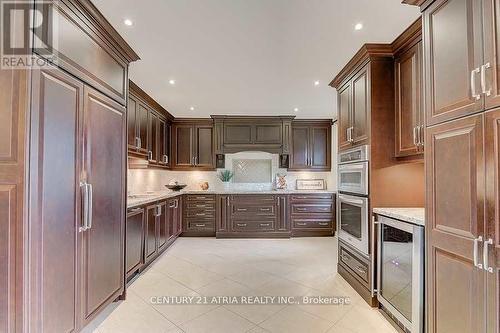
<point>152,180</point>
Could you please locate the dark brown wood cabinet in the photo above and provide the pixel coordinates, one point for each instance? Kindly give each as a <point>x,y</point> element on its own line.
<point>198,215</point>
<point>137,113</point>
<point>150,247</point>
<point>174,206</point>
<point>455,225</point>
<point>409,102</point>
<point>492,232</point>
<point>311,145</point>
<point>149,131</point>
<point>134,240</point>
<point>312,214</point>
<point>365,83</point>
<point>250,133</point>
<point>193,144</point>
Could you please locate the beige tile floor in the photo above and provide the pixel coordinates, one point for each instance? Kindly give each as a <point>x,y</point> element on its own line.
<point>243,267</point>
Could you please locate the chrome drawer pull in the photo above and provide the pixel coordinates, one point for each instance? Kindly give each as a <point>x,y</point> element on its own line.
<point>200,225</point>
<point>302,209</point>
<point>241,224</point>
<point>486,255</point>
<point>201,206</point>
<point>476,251</point>
<point>361,270</point>
<point>241,209</point>
<point>324,223</point>
<point>301,223</point>
<point>201,214</point>
<point>265,224</point>
<point>265,209</point>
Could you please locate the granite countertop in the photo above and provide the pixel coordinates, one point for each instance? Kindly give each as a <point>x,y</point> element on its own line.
<point>142,199</point>
<point>411,215</point>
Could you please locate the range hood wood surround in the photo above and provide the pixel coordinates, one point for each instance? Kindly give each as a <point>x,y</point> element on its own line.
<point>235,134</point>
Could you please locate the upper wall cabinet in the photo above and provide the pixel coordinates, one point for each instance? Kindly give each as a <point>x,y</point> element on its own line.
<point>149,127</point>
<point>365,83</point>
<point>193,144</point>
<point>311,145</point>
<point>408,92</point>
<point>269,134</point>
<point>462,58</point>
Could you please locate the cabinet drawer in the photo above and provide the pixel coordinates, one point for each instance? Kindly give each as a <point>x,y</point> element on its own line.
<point>200,213</point>
<point>311,197</point>
<point>312,223</point>
<point>200,225</point>
<point>253,199</point>
<point>201,198</point>
<point>251,210</point>
<point>312,208</point>
<point>358,265</point>
<point>252,225</point>
<point>200,205</point>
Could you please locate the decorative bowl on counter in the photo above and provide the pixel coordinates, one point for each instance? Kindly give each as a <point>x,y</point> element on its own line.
<point>176,187</point>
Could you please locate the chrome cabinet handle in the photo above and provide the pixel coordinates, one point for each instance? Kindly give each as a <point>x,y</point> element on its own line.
<point>241,209</point>
<point>85,205</point>
<point>200,225</point>
<point>201,214</point>
<point>486,254</point>
<point>139,143</point>
<point>301,223</point>
<point>352,130</point>
<point>483,79</point>
<point>241,224</point>
<point>265,224</point>
<point>415,136</point>
<point>176,203</point>
<point>91,206</point>
<point>265,209</point>
<point>421,135</point>
<point>227,201</point>
<point>165,159</point>
<point>200,206</point>
<point>171,205</point>
<point>150,155</point>
<point>324,223</point>
<point>473,83</point>
<point>476,252</point>
<point>302,209</point>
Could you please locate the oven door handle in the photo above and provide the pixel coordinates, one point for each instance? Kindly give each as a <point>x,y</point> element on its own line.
<point>377,230</point>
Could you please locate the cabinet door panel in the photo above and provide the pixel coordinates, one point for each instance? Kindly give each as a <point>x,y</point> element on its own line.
<point>171,219</point>
<point>142,127</point>
<point>151,235</point>
<point>56,124</point>
<point>237,134</point>
<point>491,26</point>
<point>153,136</point>
<point>320,147</point>
<point>344,120</point>
<point>360,107</point>
<point>163,226</point>
<point>300,148</point>
<point>453,39</point>
<point>183,145</point>
<point>134,240</point>
<point>268,134</point>
<point>105,164</point>
<point>132,123</point>
<point>408,92</point>
<point>204,150</point>
<point>492,139</point>
<point>455,214</point>
<point>162,142</point>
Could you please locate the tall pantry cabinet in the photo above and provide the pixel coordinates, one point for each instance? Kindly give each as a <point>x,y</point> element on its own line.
<point>461,72</point>
<point>76,179</point>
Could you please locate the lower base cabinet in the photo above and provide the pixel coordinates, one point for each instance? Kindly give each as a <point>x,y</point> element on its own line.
<point>151,229</point>
<point>199,215</point>
<point>134,233</point>
<point>312,214</point>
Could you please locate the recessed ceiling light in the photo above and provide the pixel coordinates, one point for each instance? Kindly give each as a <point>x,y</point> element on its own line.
<point>128,22</point>
<point>358,26</point>
<point>296,109</point>
<point>191,108</point>
<point>172,82</point>
<point>316,83</point>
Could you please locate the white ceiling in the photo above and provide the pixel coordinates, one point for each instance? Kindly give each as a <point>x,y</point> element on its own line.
<point>251,57</point>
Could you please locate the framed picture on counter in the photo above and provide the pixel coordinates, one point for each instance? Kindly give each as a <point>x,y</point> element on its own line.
<point>311,184</point>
